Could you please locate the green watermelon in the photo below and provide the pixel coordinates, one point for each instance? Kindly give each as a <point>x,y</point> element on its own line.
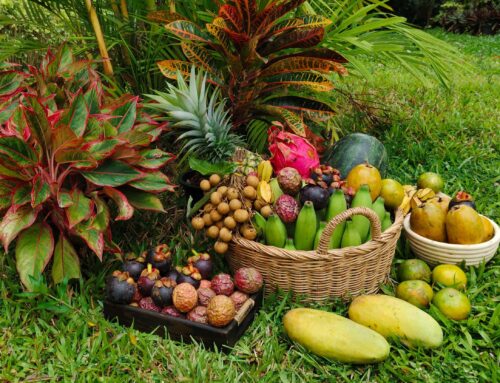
<point>355,149</point>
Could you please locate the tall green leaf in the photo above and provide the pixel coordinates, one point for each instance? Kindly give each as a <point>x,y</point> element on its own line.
<point>66,263</point>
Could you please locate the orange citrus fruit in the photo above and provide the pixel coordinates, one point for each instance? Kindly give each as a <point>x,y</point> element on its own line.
<point>452,303</point>
<point>418,293</point>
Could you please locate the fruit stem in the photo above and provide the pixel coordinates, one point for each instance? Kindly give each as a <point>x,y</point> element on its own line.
<point>150,268</point>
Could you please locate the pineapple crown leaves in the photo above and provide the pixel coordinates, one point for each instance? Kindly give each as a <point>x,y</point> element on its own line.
<point>63,157</point>
<point>203,119</point>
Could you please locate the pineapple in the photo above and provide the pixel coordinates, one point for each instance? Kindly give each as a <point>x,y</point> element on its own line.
<point>205,124</point>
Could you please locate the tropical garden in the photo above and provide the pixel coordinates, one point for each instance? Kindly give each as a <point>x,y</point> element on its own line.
<point>249,190</point>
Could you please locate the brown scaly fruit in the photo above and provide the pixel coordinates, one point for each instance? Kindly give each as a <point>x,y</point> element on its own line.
<point>222,284</point>
<point>147,303</point>
<point>248,279</point>
<point>289,181</point>
<point>238,298</point>
<point>198,315</point>
<point>204,296</point>
<point>185,297</point>
<point>287,208</point>
<point>220,311</point>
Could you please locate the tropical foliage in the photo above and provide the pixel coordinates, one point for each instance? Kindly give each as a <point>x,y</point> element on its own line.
<point>201,117</point>
<point>65,149</point>
<point>265,60</point>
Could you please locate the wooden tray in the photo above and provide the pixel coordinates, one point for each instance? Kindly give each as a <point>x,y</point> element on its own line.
<point>185,330</point>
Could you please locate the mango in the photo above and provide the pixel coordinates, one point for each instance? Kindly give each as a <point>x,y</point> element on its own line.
<point>332,336</point>
<point>393,317</point>
<point>429,220</point>
<point>464,225</point>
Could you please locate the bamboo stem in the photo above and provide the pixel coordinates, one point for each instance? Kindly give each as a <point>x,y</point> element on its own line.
<point>114,7</point>
<point>106,62</point>
<point>124,10</point>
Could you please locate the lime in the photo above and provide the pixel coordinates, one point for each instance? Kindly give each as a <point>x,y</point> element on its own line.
<point>392,192</point>
<point>430,180</point>
<point>449,276</point>
<point>414,269</point>
<point>452,303</point>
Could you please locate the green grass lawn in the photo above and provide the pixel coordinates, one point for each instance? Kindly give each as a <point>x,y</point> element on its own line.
<point>59,337</point>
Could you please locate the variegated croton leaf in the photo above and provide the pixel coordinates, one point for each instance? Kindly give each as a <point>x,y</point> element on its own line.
<point>66,151</point>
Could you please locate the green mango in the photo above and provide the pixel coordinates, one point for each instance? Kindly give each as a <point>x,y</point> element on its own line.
<point>289,244</point>
<point>259,222</point>
<point>386,223</point>
<point>362,199</point>
<point>275,231</point>
<point>305,227</point>
<point>336,205</point>
<point>351,236</point>
<point>379,208</point>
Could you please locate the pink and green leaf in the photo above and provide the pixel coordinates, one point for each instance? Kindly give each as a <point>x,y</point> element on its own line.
<point>21,195</point>
<point>186,30</point>
<point>65,263</point>
<point>102,218</point>
<point>124,113</point>
<point>77,115</point>
<point>125,209</point>
<point>154,158</point>
<point>112,173</point>
<point>34,250</point>
<point>40,126</point>
<point>143,200</point>
<point>92,237</point>
<point>102,149</point>
<point>80,210</point>
<point>64,199</point>
<point>153,182</point>
<point>18,151</point>
<point>14,221</point>
<point>40,192</point>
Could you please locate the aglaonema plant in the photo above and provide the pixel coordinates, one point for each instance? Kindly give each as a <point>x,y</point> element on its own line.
<point>267,61</point>
<point>65,151</point>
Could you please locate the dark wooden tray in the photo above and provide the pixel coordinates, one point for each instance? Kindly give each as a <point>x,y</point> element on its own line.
<point>182,329</point>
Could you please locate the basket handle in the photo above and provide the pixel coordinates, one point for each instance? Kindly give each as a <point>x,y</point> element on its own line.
<point>324,241</point>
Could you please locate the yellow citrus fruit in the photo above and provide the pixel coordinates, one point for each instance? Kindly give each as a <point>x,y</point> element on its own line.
<point>452,303</point>
<point>365,174</point>
<point>449,276</point>
<point>413,269</point>
<point>418,293</point>
<point>430,180</point>
<point>392,192</point>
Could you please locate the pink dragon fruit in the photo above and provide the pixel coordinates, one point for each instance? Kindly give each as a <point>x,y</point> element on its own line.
<point>290,150</point>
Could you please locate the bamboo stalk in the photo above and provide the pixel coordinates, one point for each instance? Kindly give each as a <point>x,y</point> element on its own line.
<point>114,7</point>
<point>106,62</point>
<point>124,10</point>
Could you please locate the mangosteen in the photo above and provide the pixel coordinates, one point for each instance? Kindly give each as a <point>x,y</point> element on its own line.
<point>161,258</point>
<point>462,198</point>
<point>189,274</point>
<point>147,280</point>
<point>316,194</point>
<point>162,292</point>
<point>120,287</point>
<point>134,266</point>
<point>172,274</point>
<point>203,263</point>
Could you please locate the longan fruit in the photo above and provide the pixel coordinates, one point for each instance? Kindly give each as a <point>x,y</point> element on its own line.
<point>208,208</point>
<point>250,233</point>
<point>232,193</point>
<point>225,234</point>
<point>205,185</point>
<point>213,232</point>
<point>241,215</point>
<point>250,192</point>
<point>198,223</point>
<point>221,247</point>
<point>223,208</point>
<point>207,219</point>
<point>230,223</point>
<point>259,204</point>
<point>266,211</point>
<point>248,204</point>
<point>235,204</point>
<point>253,181</point>
<point>219,224</point>
<point>215,198</point>
<point>214,179</point>
<point>215,215</point>
<point>222,190</point>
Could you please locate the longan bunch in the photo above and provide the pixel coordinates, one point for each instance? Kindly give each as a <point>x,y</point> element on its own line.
<point>227,211</point>
<point>261,193</point>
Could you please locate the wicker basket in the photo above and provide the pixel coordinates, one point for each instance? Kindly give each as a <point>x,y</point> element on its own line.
<point>324,274</point>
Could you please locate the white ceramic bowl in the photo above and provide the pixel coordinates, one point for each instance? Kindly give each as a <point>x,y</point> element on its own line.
<point>434,252</point>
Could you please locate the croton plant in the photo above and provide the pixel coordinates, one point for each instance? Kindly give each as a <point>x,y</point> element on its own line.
<point>268,62</point>
<point>66,149</point>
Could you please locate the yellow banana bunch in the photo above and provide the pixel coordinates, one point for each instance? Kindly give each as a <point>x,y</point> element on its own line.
<point>414,197</point>
<point>265,171</point>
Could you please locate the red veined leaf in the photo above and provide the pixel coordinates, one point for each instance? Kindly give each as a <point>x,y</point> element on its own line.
<point>98,128</point>
<point>294,122</point>
<point>10,83</point>
<point>302,64</point>
<point>153,182</point>
<point>77,115</point>
<point>198,56</point>
<point>40,192</point>
<point>230,14</point>
<point>125,209</point>
<point>273,11</point>
<point>248,9</point>
<point>64,138</point>
<point>221,38</point>
<point>6,190</point>
<point>60,60</point>
<point>137,138</point>
<point>154,158</point>
<point>7,170</point>
<point>100,221</point>
<point>92,237</point>
<point>17,150</point>
<point>169,68</point>
<point>66,263</point>
<point>307,108</point>
<point>143,200</point>
<point>102,149</point>
<point>112,173</point>
<point>75,156</point>
<point>39,123</point>
<point>164,17</point>
<point>14,221</point>
<point>300,38</point>
<point>21,195</point>
<point>124,113</point>
<point>64,199</point>
<point>18,124</point>
<point>92,100</point>
<point>8,110</point>
<point>313,81</point>
<point>320,53</point>
<point>80,210</point>
<point>186,30</point>
<point>127,155</point>
<point>34,250</point>
<point>303,22</point>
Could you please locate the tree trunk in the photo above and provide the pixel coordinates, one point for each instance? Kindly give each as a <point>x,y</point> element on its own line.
<point>94,20</point>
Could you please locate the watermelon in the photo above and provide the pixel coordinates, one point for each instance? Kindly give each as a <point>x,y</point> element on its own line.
<point>355,149</point>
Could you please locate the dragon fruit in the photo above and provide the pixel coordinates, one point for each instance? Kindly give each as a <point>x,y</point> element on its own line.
<point>290,150</point>
<point>287,208</point>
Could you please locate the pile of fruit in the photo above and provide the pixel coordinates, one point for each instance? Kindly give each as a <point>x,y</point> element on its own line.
<point>150,283</point>
<point>415,275</point>
<point>290,211</point>
<point>444,219</point>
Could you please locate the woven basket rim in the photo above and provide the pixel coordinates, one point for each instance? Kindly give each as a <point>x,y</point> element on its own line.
<point>301,255</point>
